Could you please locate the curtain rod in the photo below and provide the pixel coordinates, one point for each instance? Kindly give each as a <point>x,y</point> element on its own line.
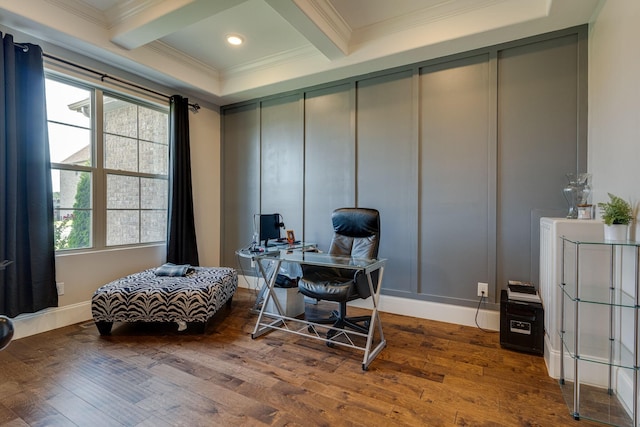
<point>193,107</point>
<point>24,47</point>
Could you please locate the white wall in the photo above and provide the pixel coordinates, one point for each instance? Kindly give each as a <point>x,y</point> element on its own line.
<point>614,101</point>
<point>204,129</point>
<point>83,273</point>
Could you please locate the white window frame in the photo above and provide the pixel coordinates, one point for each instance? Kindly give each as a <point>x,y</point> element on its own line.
<point>97,167</point>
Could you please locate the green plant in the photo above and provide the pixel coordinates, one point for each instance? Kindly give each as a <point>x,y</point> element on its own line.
<point>617,211</point>
<point>80,235</point>
<point>61,232</point>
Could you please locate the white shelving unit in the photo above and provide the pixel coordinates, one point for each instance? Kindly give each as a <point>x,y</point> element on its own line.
<point>550,276</point>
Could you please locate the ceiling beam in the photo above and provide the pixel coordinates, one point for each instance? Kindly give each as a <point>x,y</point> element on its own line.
<point>318,22</point>
<point>151,20</point>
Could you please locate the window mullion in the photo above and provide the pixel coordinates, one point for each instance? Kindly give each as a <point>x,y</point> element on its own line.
<point>139,179</point>
<point>100,186</point>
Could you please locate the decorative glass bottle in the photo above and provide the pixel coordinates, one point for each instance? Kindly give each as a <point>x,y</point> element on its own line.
<point>578,195</point>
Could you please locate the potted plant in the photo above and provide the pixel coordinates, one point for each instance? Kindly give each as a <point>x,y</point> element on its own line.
<point>617,215</point>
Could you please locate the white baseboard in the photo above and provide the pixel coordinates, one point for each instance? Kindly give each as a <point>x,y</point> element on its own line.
<point>551,358</point>
<point>51,318</point>
<point>487,319</point>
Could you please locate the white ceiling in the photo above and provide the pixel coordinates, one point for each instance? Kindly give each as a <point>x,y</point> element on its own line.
<point>288,43</point>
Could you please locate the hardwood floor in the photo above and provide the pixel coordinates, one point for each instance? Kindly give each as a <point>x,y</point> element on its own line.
<point>430,374</point>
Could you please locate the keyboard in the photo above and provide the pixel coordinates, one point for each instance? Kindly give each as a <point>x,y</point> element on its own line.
<point>282,242</point>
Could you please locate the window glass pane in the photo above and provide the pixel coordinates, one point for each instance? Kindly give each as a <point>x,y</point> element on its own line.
<point>154,193</point>
<point>72,197</point>
<point>120,117</point>
<point>71,189</point>
<point>69,145</point>
<point>120,153</point>
<point>69,123</point>
<point>68,104</point>
<point>154,158</point>
<point>123,227</point>
<point>153,125</point>
<point>72,228</point>
<point>154,226</point>
<point>123,192</point>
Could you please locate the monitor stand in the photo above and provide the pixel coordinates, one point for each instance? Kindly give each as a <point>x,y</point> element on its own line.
<point>267,245</point>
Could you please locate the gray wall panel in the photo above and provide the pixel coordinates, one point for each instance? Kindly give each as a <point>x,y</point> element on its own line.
<point>455,176</point>
<point>329,159</point>
<point>387,171</point>
<point>537,142</point>
<point>282,159</point>
<point>459,154</point>
<point>240,178</point>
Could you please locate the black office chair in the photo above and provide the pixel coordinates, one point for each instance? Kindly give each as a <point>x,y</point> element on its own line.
<point>356,234</point>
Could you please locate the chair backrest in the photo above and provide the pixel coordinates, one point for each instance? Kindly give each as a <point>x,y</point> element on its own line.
<point>357,234</point>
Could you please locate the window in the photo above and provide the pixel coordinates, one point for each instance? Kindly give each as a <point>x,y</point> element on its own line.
<point>114,192</point>
<point>136,156</point>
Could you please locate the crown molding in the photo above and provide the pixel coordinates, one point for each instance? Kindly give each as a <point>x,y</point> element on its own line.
<point>82,10</point>
<point>330,17</point>
<point>174,54</point>
<point>420,18</point>
<point>318,22</point>
<point>276,60</point>
<point>125,10</point>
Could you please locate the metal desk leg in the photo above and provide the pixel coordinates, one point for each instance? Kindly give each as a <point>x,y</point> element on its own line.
<point>268,271</point>
<point>269,281</point>
<point>369,354</point>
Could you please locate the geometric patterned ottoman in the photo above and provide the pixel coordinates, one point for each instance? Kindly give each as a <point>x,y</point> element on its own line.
<point>148,297</point>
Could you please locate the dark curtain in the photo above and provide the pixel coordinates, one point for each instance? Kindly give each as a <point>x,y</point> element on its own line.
<point>26,214</point>
<point>181,240</point>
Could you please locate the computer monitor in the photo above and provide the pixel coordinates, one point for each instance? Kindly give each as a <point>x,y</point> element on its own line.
<point>270,225</point>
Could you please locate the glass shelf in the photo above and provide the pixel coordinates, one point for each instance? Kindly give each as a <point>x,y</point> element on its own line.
<point>597,404</point>
<point>596,350</point>
<point>601,242</point>
<point>600,295</point>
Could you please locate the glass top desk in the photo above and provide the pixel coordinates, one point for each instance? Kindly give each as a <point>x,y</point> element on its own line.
<point>370,343</point>
<point>267,268</point>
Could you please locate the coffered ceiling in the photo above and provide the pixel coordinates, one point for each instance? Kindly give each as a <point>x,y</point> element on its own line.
<point>288,44</point>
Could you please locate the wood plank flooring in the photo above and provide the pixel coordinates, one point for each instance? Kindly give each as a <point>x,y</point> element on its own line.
<point>430,374</point>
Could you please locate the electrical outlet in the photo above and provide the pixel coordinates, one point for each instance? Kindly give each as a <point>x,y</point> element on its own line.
<point>483,289</point>
<point>60,287</point>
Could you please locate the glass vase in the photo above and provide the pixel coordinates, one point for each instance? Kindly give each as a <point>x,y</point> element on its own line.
<point>577,193</point>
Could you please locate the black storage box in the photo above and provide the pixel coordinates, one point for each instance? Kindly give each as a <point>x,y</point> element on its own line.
<point>521,325</point>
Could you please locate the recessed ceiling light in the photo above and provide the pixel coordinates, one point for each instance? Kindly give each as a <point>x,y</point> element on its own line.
<point>235,39</point>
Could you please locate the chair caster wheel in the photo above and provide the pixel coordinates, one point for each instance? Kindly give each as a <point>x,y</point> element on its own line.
<point>330,335</point>
<point>310,329</point>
